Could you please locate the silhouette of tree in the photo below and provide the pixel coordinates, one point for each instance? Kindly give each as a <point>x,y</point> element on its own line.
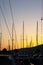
<point>4,51</point>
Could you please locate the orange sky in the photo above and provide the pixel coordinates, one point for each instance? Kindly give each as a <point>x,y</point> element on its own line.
<point>28,11</point>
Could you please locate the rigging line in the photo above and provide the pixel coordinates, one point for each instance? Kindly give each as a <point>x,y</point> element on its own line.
<point>11,11</point>
<point>12,14</point>
<point>5,20</point>
<point>15,32</point>
<point>12,17</point>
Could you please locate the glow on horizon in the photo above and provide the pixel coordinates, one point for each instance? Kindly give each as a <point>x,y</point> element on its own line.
<point>20,44</point>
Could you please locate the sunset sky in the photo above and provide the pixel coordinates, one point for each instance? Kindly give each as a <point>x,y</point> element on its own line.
<point>28,11</point>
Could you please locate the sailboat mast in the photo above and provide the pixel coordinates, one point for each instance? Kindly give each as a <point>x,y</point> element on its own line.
<point>23,34</point>
<point>31,42</point>
<point>37,34</point>
<point>8,44</point>
<point>0,40</point>
<point>0,36</point>
<point>41,29</point>
<point>12,35</point>
<point>26,42</point>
